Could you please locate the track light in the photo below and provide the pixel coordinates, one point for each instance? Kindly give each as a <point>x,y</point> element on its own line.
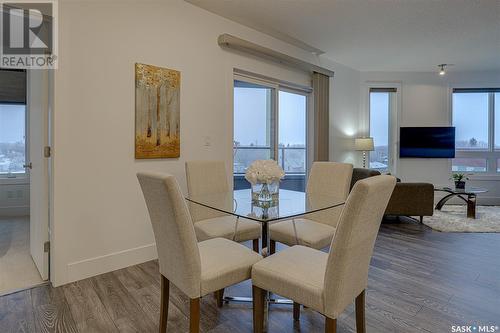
<point>442,70</point>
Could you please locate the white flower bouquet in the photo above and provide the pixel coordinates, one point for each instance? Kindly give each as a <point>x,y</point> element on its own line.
<point>264,172</point>
<point>264,175</point>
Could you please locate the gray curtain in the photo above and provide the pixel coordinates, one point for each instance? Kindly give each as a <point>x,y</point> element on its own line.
<point>321,91</point>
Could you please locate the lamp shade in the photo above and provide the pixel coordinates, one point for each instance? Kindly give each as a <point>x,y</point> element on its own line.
<point>364,144</point>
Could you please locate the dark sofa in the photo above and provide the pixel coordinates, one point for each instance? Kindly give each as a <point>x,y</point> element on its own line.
<point>408,199</point>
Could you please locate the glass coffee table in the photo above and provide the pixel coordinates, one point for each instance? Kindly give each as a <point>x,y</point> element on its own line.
<point>467,194</point>
<point>289,205</point>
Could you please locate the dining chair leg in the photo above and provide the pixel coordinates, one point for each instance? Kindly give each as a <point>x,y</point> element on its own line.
<point>194,315</point>
<point>330,325</point>
<point>258,309</point>
<point>219,297</point>
<point>296,311</point>
<point>272,250</point>
<point>165,293</point>
<point>360,313</point>
<point>256,245</point>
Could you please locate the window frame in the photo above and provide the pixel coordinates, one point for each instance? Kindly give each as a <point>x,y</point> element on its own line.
<point>277,86</point>
<point>491,154</point>
<point>394,118</point>
<point>24,174</point>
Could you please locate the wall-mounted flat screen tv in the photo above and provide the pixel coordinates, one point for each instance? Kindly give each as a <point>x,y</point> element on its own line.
<point>427,142</point>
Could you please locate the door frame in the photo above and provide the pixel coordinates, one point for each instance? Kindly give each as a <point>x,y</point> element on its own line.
<point>47,129</point>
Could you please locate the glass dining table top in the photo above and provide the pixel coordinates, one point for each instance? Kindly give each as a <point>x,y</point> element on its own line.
<point>289,204</point>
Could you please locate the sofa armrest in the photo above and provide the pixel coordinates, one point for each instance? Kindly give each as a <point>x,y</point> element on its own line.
<point>412,199</point>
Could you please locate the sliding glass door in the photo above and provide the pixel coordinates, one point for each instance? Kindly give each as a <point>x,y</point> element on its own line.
<point>292,145</point>
<point>253,127</point>
<point>270,122</point>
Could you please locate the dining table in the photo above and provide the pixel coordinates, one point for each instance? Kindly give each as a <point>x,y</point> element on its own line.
<point>286,205</point>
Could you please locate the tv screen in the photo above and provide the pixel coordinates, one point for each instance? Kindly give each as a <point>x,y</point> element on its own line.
<point>429,142</point>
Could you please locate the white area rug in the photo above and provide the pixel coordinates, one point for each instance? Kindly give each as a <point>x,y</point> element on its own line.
<point>453,218</point>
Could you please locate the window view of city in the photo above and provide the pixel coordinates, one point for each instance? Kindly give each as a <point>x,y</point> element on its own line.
<point>379,130</point>
<point>253,131</point>
<point>12,138</point>
<point>291,158</point>
<point>469,165</point>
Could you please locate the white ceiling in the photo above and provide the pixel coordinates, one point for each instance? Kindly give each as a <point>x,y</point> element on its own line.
<point>379,35</point>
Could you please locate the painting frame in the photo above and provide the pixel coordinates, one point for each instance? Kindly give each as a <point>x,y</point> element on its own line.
<point>157,112</point>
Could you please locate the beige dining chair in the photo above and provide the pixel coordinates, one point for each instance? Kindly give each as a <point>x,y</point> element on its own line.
<point>205,178</point>
<point>197,269</point>
<point>328,179</point>
<point>329,282</point>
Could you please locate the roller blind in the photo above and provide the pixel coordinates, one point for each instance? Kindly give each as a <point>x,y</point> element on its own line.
<point>383,90</point>
<point>476,90</point>
<point>12,86</point>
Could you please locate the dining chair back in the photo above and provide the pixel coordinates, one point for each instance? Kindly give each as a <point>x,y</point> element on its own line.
<point>346,274</point>
<point>205,178</point>
<point>330,179</point>
<point>178,253</point>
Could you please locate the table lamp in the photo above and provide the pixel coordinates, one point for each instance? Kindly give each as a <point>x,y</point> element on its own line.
<point>364,145</point>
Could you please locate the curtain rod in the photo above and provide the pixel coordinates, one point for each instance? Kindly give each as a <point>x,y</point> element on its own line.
<point>232,42</point>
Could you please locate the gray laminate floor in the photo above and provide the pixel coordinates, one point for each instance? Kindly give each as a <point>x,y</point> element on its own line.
<point>420,281</point>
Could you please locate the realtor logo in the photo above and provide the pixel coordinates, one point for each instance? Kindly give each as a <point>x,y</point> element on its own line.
<point>29,34</point>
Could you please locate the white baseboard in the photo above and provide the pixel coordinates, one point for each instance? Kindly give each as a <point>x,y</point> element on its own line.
<point>110,262</point>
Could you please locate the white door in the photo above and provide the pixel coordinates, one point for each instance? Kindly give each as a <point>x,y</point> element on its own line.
<point>38,110</point>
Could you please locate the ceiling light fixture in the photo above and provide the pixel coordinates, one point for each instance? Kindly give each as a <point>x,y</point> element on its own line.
<point>442,70</point>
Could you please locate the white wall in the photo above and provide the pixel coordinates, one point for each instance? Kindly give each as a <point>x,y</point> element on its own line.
<point>426,101</point>
<point>345,115</point>
<point>100,221</point>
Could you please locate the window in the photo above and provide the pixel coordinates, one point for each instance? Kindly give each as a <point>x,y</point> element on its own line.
<point>381,104</point>
<point>476,117</point>
<point>496,103</point>
<point>469,164</point>
<point>270,122</point>
<point>12,122</point>
<point>470,118</point>
<point>12,138</point>
<point>252,124</point>
<point>292,133</point>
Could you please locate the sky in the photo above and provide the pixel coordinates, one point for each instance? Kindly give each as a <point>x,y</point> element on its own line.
<point>379,118</point>
<point>251,117</point>
<point>470,117</point>
<point>12,123</point>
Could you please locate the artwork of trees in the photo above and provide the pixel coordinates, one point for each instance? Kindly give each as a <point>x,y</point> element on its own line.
<point>157,112</point>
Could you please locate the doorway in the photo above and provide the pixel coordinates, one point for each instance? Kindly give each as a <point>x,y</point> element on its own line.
<point>24,220</point>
